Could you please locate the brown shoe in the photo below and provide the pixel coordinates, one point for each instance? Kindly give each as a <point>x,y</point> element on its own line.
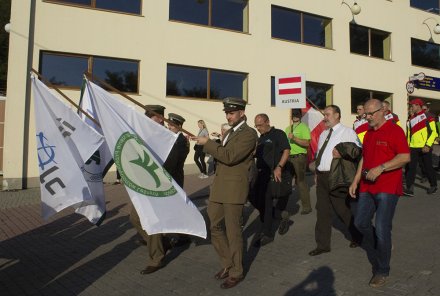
<point>378,281</point>
<point>231,282</point>
<point>317,252</point>
<point>150,269</point>
<point>222,274</point>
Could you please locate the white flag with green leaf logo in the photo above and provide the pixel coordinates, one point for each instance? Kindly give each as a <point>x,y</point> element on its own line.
<point>139,147</point>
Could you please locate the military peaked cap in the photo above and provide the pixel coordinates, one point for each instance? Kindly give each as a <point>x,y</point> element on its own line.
<point>154,108</point>
<point>176,118</point>
<point>233,104</point>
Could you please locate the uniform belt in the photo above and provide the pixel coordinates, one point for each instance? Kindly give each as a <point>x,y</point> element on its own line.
<point>297,155</point>
<point>322,172</point>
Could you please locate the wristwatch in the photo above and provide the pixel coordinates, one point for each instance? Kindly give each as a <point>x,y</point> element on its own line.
<point>383,168</point>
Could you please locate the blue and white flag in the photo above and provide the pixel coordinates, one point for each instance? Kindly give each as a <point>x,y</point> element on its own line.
<point>139,147</point>
<point>64,143</point>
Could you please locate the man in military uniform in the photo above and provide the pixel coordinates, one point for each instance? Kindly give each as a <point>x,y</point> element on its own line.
<point>158,244</point>
<point>229,190</point>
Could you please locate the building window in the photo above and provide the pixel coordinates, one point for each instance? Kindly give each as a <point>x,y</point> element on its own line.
<point>425,54</point>
<point>66,70</point>
<point>226,14</point>
<point>360,96</point>
<point>370,42</point>
<point>203,83</point>
<point>126,6</point>
<point>320,94</point>
<point>297,26</point>
<point>426,5</point>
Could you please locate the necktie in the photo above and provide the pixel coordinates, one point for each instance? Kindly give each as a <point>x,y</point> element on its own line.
<point>228,136</point>
<point>321,151</point>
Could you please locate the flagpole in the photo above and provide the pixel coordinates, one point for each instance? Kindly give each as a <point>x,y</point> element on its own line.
<point>94,78</point>
<point>45,81</point>
<point>313,105</point>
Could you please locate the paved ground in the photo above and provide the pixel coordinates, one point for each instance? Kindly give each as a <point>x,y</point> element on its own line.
<point>68,256</point>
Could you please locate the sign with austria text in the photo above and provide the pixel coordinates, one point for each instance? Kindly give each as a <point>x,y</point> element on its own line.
<point>290,91</point>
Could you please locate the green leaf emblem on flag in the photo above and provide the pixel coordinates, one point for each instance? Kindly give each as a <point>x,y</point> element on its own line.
<point>139,169</point>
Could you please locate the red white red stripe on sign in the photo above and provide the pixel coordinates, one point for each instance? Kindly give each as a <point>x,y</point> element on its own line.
<point>289,85</point>
<point>290,91</point>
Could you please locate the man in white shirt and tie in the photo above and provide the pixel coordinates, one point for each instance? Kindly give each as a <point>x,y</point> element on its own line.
<point>327,198</point>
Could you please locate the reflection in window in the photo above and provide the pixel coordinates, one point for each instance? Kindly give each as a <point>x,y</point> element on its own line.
<point>227,14</point>
<point>370,42</point>
<point>292,25</point>
<point>193,82</point>
<point>63,70</point>
<point>127,6</point>
<point>427,5</point>
<point>360,96</point>
<point>121,74</point>
<point>425,54</point>
<point>67,70</point>
<point>320,94</point>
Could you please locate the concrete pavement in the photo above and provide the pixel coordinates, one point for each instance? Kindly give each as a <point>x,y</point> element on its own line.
<point>68,256</point>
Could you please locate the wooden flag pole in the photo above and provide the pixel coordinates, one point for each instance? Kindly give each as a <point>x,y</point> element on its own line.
<point>48,84</point>
<point>313,105</point>
<point>96,79</point>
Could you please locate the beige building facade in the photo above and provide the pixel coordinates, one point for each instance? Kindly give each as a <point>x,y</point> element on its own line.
<point>167,47</point>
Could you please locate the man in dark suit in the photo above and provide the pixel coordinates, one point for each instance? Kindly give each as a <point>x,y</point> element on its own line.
<point>229,190</point>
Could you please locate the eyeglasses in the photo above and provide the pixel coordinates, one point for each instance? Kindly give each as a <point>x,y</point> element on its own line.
<point>372,113</point>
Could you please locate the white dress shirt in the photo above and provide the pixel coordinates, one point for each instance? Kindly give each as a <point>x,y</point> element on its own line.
<point>235,128</point>
<point>340,134</point>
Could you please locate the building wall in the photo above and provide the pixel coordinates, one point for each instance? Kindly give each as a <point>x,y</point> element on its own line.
<point>156,41</point>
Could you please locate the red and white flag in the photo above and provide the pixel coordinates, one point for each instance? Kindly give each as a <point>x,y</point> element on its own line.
<point>290,85</point>
<point>314,120</point>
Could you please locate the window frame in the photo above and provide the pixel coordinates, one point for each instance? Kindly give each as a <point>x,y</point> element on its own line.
<point>420,40</point>
<point>93,6</point>
<point>371,95</point>
<point>389,58</point>
<point>208,98</point>
<point>209,25</point>
<point>328,29</point>
<point>89,66</point>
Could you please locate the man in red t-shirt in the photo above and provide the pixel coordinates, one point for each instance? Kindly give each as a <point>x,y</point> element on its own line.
<point>385,152</point>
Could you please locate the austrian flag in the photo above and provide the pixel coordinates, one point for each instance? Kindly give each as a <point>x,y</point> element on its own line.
<point>289,85</point>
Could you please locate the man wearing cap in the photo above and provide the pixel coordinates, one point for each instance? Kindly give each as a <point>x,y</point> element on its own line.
<point>176,159</point>
<point>298,134</point>
<point>229,190</point>
<point>422,133</point>
<point>157,244</point>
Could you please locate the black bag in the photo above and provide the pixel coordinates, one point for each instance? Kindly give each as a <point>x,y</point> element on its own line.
<point>283,188</point>
<point>198,148</point>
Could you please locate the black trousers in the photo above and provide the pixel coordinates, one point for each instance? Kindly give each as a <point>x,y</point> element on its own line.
<point>426,159</point>
<point>327,202</point>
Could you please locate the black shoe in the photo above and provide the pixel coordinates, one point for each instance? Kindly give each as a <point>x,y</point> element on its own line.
<point>408,192</point>
<point>423,180</point>
<point>266,240</point>
<point>284,226</point>
<point>353,245</point>
<point>317,252</point>
<point>432,190</point>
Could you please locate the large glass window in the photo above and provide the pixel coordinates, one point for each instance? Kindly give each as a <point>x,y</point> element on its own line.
<point>293,25</point>
<point>66,70</point>
<point>360,96</point>
<point>227,14</point>
<point>203,83</point>
<point>127,6</point>
<point>427,5</point>
<point>320,94</point>
<point>370,42</point>
<point>425,54</point>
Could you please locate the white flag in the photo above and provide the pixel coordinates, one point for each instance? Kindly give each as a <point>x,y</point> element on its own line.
<point>139,147</point>
<point>95,167</point>
<point>64,142</point>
